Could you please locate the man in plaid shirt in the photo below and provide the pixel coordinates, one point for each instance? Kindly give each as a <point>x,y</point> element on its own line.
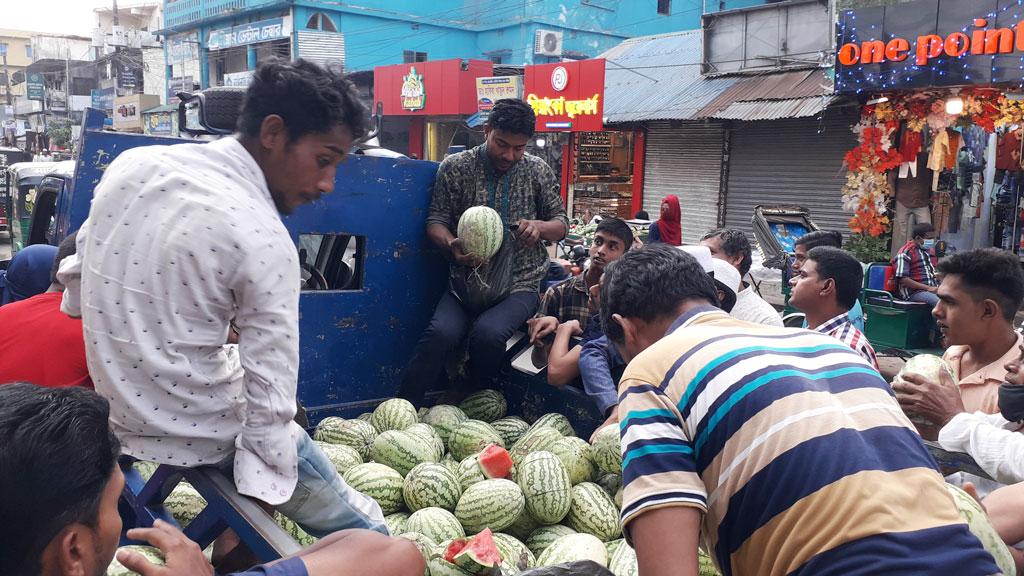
<point>825,289</point>
<point>915,267</point>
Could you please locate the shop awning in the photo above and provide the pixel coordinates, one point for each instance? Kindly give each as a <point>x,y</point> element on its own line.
<point>794,94</point>
<point>658,78</point>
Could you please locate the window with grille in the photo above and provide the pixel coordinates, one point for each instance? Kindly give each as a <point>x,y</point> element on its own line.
<point>665,7</point>
<point>411,56</point>
<point>321,21</point>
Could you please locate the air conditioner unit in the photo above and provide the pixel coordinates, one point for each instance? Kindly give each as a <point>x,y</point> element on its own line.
<point>547,43</point>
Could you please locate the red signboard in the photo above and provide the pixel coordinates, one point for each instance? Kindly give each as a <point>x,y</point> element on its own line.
<point>567,96</point>
<point>439,88</point>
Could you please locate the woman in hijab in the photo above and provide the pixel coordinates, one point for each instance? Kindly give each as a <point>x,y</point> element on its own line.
<point>667,228</point>
<point>28,273</point>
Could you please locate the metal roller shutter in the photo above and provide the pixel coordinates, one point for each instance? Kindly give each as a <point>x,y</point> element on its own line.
<point>324,48</point>
<point>790,161</point>
<point>685,161</point>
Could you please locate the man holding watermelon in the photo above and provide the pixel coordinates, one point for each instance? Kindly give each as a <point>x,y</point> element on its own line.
<point>523,191</point>
<point>780,450</point>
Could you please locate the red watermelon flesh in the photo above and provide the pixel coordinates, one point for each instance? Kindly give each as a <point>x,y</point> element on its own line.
<point>477,554</point>
<point>454,548</point>
<point>495,462</point>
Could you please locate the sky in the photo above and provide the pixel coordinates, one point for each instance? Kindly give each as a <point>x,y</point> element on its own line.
<point>55,16</point>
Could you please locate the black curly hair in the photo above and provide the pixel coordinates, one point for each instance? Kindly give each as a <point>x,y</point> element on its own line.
<point>310,99</point>
<point>512,116</point>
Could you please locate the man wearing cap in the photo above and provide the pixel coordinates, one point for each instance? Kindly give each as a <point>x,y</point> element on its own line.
<point>825,289</point>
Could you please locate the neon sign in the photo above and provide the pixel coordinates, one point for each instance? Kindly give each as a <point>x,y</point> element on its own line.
<point>928,46</point>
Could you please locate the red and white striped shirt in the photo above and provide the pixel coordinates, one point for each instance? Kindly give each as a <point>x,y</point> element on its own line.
<point>842,329</point>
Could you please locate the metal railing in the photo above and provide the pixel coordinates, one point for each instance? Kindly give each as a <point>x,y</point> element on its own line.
<point>179,12</point>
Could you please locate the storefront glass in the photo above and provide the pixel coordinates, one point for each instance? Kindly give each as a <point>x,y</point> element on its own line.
<point>602,175</point>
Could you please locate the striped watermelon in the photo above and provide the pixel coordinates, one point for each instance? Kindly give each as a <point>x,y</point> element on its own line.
<point>365,416</point>
<point>355,433</point>
<point>546,487</point>
<point>396,522</point>
<point>378,482</point>
<point>445,418</point>
<point>511,428</point>
<point>487,405</point>
<point>145,469</point>
<point>593,512</point>
<point>542,537</point>
<point>556,421</point>
<point>450,462</point>
<point>575,454</point>
<point>429,484</point>
<point>573,548</point>
<point>613,545</point>
<point>421,413</point>
<point>481,230</point>
<point>342,456</point>
<point>475,555</point>
<point>428,433</point>
<point>622,562</point>
<point>493,504</point>
<point>469,472</point>
<point>394,414</point>
<point>154,555</point>
<point>440,567</point>
<point>607,450</point>
<point>523,526</point>
<point>184,503</point>
<point>977,520</point>
<point>437,524</point>
<point>423,543</point>
<point>705,565</point>
<point>514,552</point>
<point>294,530</point>
<point>535,440</point>
<point>401,450</point>
<point>471,437</point>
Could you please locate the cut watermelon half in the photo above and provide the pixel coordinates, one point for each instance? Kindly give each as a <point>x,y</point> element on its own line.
<point>476,554</point>
<point>495,462</point>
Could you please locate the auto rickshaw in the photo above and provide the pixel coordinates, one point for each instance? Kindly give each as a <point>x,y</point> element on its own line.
<point>776,230</point>
<point>24,179</point>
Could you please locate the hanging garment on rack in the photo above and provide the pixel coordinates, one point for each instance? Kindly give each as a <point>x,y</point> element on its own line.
<point>1008,146</point>
<point>942,203</point>
<point>937,157</point>
<point>953,148</point>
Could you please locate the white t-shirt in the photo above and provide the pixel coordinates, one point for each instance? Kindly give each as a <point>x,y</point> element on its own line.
<point>752,308</point>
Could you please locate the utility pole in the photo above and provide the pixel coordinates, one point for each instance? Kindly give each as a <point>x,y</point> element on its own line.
<point>7,73</point>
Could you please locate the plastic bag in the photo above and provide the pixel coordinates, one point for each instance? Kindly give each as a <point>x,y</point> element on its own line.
<point>484,286</point>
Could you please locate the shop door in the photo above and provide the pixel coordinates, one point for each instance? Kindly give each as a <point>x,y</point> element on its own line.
<point>685,161</point>
<point>790,161</point>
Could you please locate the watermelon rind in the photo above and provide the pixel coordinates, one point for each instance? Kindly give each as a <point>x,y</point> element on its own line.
<point>423,543</point>
<point>593,512</point>
<point>341,456</point>
<point>401,450</point>
<point>977,520</point>
<point>576,455</point>
<point>514,552</point>
<point>607,450</point>
<point>379,482</point>
<point>184,503</point>
<point>396,522</point>
<point>493,504</point>
<point>611,483</point>
<point>622,561</point>
<point>557,421</point>
<point>486,405</point>
<point>471,437</point>
<point>428,433</point>
<point>546,487</point>
<point>394,414</point>
<point>445,418</point>
<point>355,433</point>
<point>469,472</point>
<point>437,524</point>
<point>573,548</point>
<point>705,565</point>
<point>511,428</point>
<point>535,440</point>
<point>481,231</point>
<point>441,567</point>
<point>365,416</point>
<point>429,484</point>
<point>479,553</point>
<point>294,530</point>
<point>154,555</point>
<point>542,537</point>
<point>523,526</point>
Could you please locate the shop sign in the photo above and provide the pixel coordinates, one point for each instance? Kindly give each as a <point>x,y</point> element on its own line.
<point>930,43</point>
<point>159,124</point>
<point>414,96</point>
<point>490,90</point>
<point>34,86</point>
<point>128,110</point>
<point>262,31</point>
<point>178,84</point>
<point>567,96</point>
<point>240,79</point>
<point>102,99</point>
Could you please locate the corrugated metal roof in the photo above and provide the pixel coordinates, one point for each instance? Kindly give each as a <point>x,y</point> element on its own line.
<point>795,94</point>
<point>658,78</point>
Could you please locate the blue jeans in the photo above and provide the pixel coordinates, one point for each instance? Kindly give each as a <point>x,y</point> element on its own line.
<point>322,502</point>
<point>925,296</point>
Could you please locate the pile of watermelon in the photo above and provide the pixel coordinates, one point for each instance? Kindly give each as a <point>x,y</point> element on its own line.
<point>482,492</point>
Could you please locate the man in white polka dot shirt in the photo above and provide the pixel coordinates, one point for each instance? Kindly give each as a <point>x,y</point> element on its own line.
<point>181,241</point>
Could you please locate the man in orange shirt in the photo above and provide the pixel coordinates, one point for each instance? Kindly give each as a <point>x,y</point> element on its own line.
<point>980,292</point>
<point>39,343</point>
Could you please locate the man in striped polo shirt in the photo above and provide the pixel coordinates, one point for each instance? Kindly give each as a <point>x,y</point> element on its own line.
<point>783,450</point>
